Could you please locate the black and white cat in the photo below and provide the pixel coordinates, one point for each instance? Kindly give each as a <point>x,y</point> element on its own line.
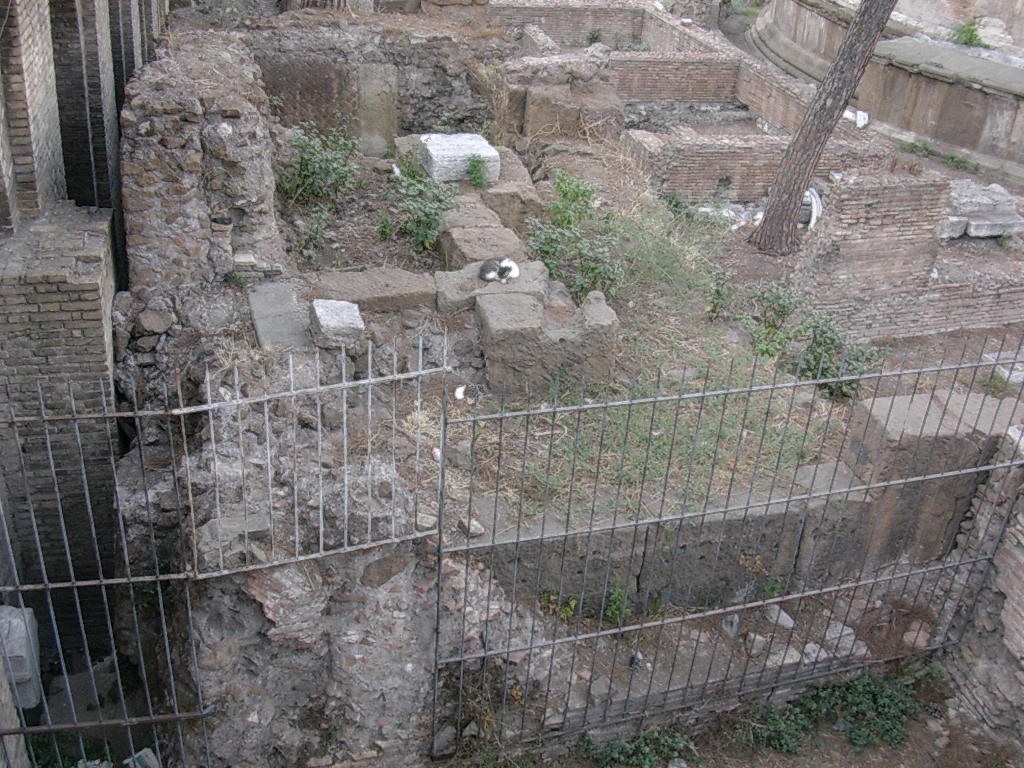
<point>500,270</point>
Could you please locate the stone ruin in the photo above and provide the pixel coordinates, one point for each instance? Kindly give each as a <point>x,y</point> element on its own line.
<point>201,139</point>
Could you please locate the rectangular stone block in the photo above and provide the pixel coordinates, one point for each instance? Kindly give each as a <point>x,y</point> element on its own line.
<point>446,155</point>
<point>335,324</point>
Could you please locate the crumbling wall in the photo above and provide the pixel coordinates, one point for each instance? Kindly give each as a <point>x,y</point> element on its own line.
<point>875,260</point>
<point>695,166</point>
<point>199,205</point>
<point>570,23</point>
<point>310,64</point>
<point>987,668</point>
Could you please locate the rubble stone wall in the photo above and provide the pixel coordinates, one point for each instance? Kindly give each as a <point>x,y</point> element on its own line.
<point>987,668</point>
<point>313,76</point>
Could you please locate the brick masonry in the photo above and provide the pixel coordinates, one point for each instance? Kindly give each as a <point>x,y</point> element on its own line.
<point>85,96</point>
<point>26,57</point>
<point>569,23</point>
<point>56,290</point>
<point>694,166</point>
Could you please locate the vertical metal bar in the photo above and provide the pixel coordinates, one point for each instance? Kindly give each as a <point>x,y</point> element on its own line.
<point>439,587</point>
<point>319,457</point>
<point>241,467</point>
<point>293,411</point>
<point>216,469</point>
<point>344,446</point>
<point>188,475</point>
<point>268,437</point>
<point>100,572</point>
<point>369,440</point>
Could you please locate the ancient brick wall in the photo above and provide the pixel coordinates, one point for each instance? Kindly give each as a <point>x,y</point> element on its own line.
<point>31,101</point>
<point>657,77</point>
<point>664,33</point>
<point>569,23</point>
<point>987,668</point>
<point>694,166</point>
<point>56,290</point>
<point>85,96</point>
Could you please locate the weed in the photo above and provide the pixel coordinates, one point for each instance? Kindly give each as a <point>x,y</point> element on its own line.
<point>65,750</point>
<point>917,147</point>
<point>830,354</point>
<point>721,292</point>
<point>237,279</point>
<point>321,169</point>
<point>584,262</point>
<point>310,235</point>
<point>967,34</point>
<point>616,609</point>
<point>769,587</point>
<point>961,163</point>
<point>573,248</point>
<point>475,171</point>
<point>648,750</point>
<point>771,326</point>
<point>869,709</point>
<point>593,36</point>
<point>422,203</point>
<point>551,602</point>
<point>385,229</point>
<point>574,203</point>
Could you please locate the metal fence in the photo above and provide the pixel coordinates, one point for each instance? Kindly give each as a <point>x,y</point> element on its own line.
<point>114,515</point>
<point>602,561</point>
<point>606,562</point>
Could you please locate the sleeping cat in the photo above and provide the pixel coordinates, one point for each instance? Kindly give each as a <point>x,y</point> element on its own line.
<point>501,270</point>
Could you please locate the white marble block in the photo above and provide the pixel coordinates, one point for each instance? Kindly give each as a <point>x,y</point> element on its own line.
<point>446,155</point>
<point>335,324</point>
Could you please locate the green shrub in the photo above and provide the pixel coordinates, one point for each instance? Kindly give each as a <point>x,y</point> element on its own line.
<point>721,293</point>
<point>422,203</point>
<point>385,229</point>
<point>771,325</point>
<point>584,262</point>
<point>967,34</point>
<point>869,709</point>
<point>310,235</point>
<point>648,750</point>
<point>321,169</point>
<point>830,354</point>
<point>593,36</point>
<point>475,171</point>
<point>616,609</point>
<point>574,203</point>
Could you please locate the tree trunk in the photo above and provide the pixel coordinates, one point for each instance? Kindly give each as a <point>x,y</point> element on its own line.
<point>777,233</point>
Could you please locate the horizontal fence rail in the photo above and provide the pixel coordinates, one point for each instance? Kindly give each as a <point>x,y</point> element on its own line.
<point>606,561</point>
<point>115,515</point>
<point>603,560</point>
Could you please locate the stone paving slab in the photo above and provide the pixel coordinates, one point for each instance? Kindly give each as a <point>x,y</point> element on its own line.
<point>464,245</point>
<point>460,289</point>
<point>385,289</point>
<point>279,320</point>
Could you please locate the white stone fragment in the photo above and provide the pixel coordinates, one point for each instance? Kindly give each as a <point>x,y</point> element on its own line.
<point>446,155</point>
<point>778,617</point>
<point>19,641</point>
<point>335,324</point>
